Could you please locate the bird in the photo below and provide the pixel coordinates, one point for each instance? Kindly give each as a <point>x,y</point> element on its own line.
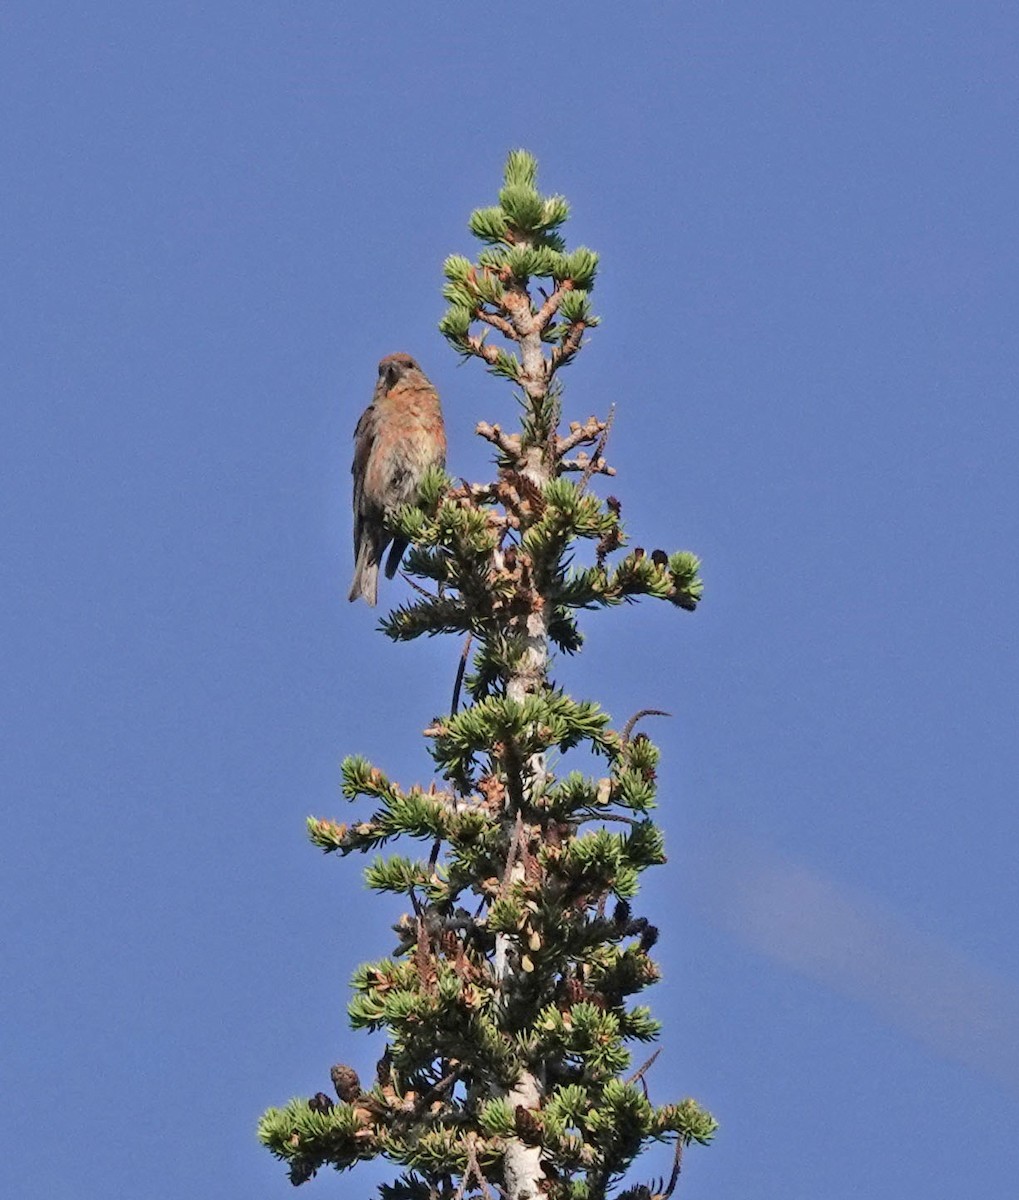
<point>398,437</point>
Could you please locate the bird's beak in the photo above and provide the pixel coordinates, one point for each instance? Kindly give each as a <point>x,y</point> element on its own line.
<point>392,374</point>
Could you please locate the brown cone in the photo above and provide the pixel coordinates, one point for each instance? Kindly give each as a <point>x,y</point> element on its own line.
<point>346,1082</point>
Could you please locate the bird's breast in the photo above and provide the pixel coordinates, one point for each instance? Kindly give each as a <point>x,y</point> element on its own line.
<point>409,438</point>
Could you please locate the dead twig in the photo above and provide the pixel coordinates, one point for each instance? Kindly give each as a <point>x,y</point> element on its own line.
<point>598,456</point>
<point>460,672</point>
<point>511,857</point>
<point>638,1075</point>
<point>592,814</point>
<point>639,716</point>
<point>474,1167</point>
<point>677,1166</point>
<point>418,588</point>
<point>436,1090</point>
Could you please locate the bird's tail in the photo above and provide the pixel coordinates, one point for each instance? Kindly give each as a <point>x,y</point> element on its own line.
<point>366,574</point>
<point>394,556</point>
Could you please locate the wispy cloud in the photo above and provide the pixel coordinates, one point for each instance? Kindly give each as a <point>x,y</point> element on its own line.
<point>856,946</point>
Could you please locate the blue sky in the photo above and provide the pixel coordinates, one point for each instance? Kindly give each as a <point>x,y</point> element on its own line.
<point>215,220</point>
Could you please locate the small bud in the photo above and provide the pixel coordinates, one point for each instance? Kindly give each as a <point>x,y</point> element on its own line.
<point>638,552</point>
<point>320,1103</point>
<point>613,505</point>
<point>534,941</point>
<point>659,558</point>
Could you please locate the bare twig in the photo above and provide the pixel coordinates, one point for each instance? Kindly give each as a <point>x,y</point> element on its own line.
<point>511,857</point>
<point>418,588</point>
<point>460,672</point>
<point>638,716</point>
<point>677,1166</point>
<point>599,450</point>
<point>591,814</point>
<point>437,1089</point>
<point>474,1167</point>
<point>472,491</point>
<point>640,1072</point>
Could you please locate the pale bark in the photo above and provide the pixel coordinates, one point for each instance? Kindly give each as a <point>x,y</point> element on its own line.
<point>522,1171</point>
<point>522,1163</point>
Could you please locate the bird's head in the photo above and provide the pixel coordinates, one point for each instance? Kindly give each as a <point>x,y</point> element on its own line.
<point>393,368</point>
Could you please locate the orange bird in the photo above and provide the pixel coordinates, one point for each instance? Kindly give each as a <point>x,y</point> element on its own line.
<point>400,434</point>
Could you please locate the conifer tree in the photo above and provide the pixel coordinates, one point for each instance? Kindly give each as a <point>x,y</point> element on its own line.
<point>506,1002</point>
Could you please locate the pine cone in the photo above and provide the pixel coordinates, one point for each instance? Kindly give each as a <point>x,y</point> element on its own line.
<point>528,1125</point>
<point>300,1171</point>
<point>649,937</point>
<point>346,1082</point>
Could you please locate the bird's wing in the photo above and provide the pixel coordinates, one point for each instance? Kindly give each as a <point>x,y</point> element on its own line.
<point>364,439</point>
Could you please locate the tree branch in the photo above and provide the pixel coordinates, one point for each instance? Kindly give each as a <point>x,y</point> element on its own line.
<point>497,322</point>
<point>550,307</point>
<point>508,443</point>
<point>482,349</point>
<point>570,345</point>
<point>589,431</point>
<point>586,466</point>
